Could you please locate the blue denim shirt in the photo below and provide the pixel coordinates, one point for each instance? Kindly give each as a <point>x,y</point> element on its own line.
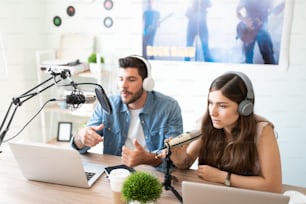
<point>160,119</point>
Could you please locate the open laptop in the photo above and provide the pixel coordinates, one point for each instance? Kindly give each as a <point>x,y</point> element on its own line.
<point>55,164</point>
<point>199,193</point>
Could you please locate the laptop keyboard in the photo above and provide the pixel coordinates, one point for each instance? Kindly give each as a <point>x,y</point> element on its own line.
<point>89,175</point>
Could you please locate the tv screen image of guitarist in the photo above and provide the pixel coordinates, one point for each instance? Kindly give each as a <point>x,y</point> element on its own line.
<point>151,28</point>
<point>247,34</point>
<point>151,22</point>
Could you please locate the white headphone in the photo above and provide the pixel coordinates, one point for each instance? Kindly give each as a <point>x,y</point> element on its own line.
<point>148,82</point>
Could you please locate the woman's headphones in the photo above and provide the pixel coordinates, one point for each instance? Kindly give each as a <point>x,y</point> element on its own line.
<point>246,106</point>
<point>148,83</point>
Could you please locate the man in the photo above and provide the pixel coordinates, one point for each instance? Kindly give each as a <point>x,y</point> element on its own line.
<point>151,21</point>
<point>140,121</point>
<point>197,26</point>
<point>253,28</point>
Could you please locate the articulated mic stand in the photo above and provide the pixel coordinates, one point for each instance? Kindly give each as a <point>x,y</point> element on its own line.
<point>168,177</point>
<point>75,99</point>
<point>18,101</point>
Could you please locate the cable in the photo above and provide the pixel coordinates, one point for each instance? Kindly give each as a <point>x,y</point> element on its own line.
<point>50,100</point>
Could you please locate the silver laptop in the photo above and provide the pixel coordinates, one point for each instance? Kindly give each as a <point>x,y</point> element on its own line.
<point>199,193</point>
<point>55,164</point>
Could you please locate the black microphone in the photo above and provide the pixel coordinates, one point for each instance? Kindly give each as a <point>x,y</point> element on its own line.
<point>182,139</point>
<point>76,98</point>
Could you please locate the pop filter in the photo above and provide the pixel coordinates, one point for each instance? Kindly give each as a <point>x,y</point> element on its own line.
<point>103,100</point>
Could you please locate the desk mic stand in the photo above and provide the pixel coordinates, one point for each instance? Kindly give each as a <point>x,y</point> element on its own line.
<point>168,177</point>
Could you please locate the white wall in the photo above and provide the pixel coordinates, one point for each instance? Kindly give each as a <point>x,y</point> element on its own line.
<point>279,92</point>
<point>20,25</point>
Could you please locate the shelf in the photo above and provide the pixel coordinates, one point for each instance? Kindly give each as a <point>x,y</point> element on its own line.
<point>89,74</point>
<point>85,110</point>
<point>80,73</point>
<point>86,74</point>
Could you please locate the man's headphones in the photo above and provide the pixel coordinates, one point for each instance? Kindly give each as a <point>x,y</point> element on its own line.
<point>246,106</point>
<point>148,82</point>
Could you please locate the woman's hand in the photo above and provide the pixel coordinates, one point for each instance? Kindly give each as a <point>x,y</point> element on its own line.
<point>177,153</point>
<point>211,174</point>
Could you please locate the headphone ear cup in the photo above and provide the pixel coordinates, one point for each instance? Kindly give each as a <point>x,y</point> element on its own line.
<point>245,108</point>
<point>148,84</point>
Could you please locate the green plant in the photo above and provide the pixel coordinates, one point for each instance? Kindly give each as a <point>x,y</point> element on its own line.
<point>142,187</point>
<point>93,58</point>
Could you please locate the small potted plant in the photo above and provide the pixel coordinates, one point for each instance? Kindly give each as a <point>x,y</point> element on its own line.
<point>92,61</point>
<point>141,187</point>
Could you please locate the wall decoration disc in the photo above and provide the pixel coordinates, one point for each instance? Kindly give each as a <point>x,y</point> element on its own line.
<point>70,11</point>
<point>57,21</point>
<point>108,22</point>
<point>108,4</point>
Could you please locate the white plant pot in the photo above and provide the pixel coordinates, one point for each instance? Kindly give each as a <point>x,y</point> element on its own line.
<point>95,68</point>
<point>137,202</point>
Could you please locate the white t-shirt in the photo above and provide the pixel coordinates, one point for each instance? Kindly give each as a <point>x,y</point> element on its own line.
<point>135,131</point>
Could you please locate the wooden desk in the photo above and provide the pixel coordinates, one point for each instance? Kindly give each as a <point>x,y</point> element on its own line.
<point>16,189</point>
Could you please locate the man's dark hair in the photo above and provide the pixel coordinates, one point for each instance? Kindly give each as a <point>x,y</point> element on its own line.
<point>134,63</point>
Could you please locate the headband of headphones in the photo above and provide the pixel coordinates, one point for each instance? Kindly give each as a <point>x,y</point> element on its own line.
<point>247,82</point>
<point>148,82</point>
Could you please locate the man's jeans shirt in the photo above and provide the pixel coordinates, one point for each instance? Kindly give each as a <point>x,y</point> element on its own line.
<point>160,119</point>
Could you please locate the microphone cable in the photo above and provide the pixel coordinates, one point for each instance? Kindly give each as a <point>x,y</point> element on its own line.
<point>31,119</point>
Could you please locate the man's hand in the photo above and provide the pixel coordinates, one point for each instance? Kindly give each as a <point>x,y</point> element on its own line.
<point>138,156</point>
<point>134,157</point>
<point>88,136</point>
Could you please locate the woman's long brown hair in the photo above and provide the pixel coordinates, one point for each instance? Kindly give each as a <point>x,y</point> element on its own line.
<point>240,154</point>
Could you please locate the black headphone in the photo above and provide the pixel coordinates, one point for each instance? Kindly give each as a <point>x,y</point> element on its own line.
<point>148,82</point>
<point>246,106</point>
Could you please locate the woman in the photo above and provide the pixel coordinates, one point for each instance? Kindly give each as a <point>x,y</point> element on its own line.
<point>237,148</point>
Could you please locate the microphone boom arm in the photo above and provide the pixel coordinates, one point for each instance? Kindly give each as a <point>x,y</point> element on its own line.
<point>18,101</point>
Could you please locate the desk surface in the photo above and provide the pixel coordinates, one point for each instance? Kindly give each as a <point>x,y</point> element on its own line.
<point>15,188</point>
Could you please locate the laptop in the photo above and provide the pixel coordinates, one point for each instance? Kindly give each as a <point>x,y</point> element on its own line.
<point>55,164</point>
<point>199,193</point>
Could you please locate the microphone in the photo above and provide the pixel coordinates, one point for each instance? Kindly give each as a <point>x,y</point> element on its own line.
<point>182,139</point>
<point>76,98</point>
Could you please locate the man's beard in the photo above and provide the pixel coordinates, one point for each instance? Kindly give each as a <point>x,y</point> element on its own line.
<point>135,97</point>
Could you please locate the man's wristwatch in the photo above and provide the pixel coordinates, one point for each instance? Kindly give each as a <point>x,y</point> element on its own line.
<point>227,181</point>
